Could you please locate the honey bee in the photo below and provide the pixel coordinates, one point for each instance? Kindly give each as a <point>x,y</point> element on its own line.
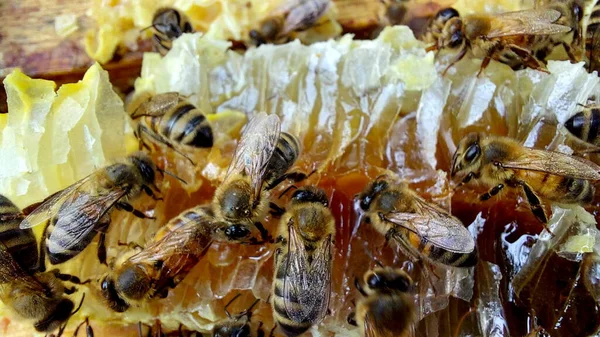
<point>437,23</point>
<point>302,280</point>
<point>571,15</point>
<point>294,16</point>
<point>168,24</point>
<point>503,37</point>
<point>585,125</point>
<point>592,39</point>
<point>421,229</point>
<point>502,162</point>
<point>83,209</point>
<point>171,120</point>
<point>31,294</point>
<point>387,308</point>
<point>237,325</point>
<point>260,163</point>
<point>176,248</point>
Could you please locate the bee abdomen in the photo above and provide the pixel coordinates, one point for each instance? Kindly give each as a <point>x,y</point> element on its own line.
<point>186,125</point>
<point>285,155</point>
<point>20,243</point>
<point>463,260</point>
<point>283,303</point>
<point>585,125</point>
<point>196,133</point>
<point>578,190</point>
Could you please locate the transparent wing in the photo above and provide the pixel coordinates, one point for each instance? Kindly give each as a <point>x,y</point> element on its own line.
<point>51,205</point>
<point>555,163</point>
<point>158,105</point>
<point>526,22</point>
<point>436,226</point>
<point>79,216</point>
<point>11,271</point>
<point>256,147</point>
<point>307,286</point>
<point>304,15</point>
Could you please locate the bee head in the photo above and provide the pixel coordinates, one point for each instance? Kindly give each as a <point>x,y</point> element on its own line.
<point>168,22</point>
<point>55,317</point>
<point>111,296</point>
<point>467,156</point>
<point>453,35</point>
<point>235,202</point>
<point>388,279</point>
<point>133,282</point>
<point>145,166</point>
<point>310,194</point>
<point>371,191</point>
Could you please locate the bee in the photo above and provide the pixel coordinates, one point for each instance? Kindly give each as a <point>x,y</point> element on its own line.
<point>592,39</point>
<point>176,248</point>
<point>585,125</point>
<point>501,162</point>
<point>171,120</point>
<point>31,294</point>
<point>302,280</point>
<point>237,325</point>
<point>571,15</point>
<point>294,16</point>
<point>168,24</point>
<point>83,209</point>
<point>421,229</point>
<point>261,161</point>
<point>395,11</point>
<point>503,37</point>
<point>20,243</point>
<point>387,308</point>
<point>437,23</point>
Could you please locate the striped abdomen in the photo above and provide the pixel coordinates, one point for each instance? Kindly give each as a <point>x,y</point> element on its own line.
<point>184,124</point>
<point>426,249</point>
<point>593,28</point>
<point>168,25</point>
<point>20,243</point>
<point>282,304</point>
<point>283,158</point>
<point>585,125</point>
<point>558,188</point>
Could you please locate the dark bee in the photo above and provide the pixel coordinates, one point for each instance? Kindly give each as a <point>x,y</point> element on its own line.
<point>168,24</point>
<point>20,243</point>
<point>585,125</point>
<point>82,210</point>
<point>302,281</point>
<point>237,325</point>
<point>171,120</point>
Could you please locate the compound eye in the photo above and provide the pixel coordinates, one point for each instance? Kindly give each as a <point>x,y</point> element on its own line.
<point>373,281</point>
<point>237,232</point>
<point>472,152</point>
<point>446,14</point>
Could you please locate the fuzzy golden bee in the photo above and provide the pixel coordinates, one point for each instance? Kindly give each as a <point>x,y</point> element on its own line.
<point>503,37</point>
<point>82,210</point>
<point>293,16</point>
<point>571,15</point>
<point>585,125</point>
<point>261,161</point>
<point>437,23</point>
<point>171,120</point>
<point>30,293</point>
<point>302,281</point>
<point>421,229</point>
<point>387,308</point>
<point>149,272</point>
<point>501,162</point>
<point>168,24</point>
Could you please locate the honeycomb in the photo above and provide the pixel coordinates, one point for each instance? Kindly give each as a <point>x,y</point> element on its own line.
<point>360,108</point>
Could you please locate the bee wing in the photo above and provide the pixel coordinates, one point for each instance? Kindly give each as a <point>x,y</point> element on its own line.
<point>307,286</point>
<point>79,217</point>
<point>52,204</point>
<point>372,330</point>
<point>526,22</point>
<point>436,226</point>
<point>158,105</point>
<point>304,15</point>
<point>555,163</point>
<point>11,271</point>
<point>256,148</point>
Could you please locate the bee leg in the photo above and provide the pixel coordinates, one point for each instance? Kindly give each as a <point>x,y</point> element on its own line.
<point>359,287</point>
<point>495,190</point>
<point>569,52</point>
<point>272,333</point>
<point>536,206</point>
<point>68,278</point>
<point>151,193</point>
<point>276,210</point>
<point>259,331</point>
<point>484,64</point>
<point>264,234</point>
<point>458,57</point>
<point>167,144</point>
<point>352,319</point>
<point>528,59</point>
<point>123,206</point>
<point>102,248</point>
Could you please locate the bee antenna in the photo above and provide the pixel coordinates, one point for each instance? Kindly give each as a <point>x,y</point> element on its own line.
<point>163,172</point>
<point>433,47</point>
<point>151,26</point>
<point>79,306</point>
<point>229,303</point>
<point>287,190</point>
<point>378,263</point>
